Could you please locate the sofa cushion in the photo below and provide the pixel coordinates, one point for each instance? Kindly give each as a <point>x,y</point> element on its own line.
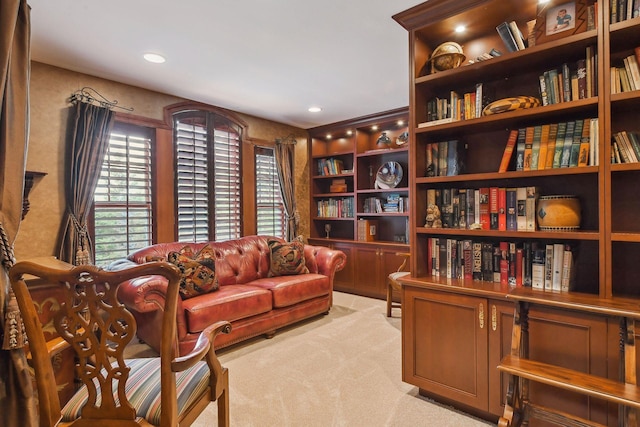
<point>229,303</point>
<point>290,290</point>
<point>287,258</point>
<point>198,271</point>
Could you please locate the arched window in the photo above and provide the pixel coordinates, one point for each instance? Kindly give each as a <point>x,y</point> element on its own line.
<point>208,176</point>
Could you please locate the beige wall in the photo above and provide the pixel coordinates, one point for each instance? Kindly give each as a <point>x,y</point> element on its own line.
<point>50,89</point>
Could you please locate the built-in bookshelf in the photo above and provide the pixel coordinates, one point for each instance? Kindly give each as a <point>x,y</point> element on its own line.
<point>360,196</point>
<point>349,162</point>
<point>561,80</point>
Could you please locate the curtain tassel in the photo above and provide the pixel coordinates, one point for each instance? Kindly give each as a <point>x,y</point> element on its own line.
<point>14,332</point>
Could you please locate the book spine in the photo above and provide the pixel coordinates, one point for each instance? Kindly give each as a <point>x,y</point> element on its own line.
<point>507,38</point>
<point>502,209</point>
<point>520,147</point>
<point>483,200</point>
<point>512,218</point>
<point>551,146</point>
<point>548,267</point>
<point>493,208</point>
<point>467,251</point>
<point>575,144</point>
<point>521,209</point>
<point>544,145</point>
<point>487,262</point>
<point>568,141</point>
<point>566,82</point>
<point>508,151</point>
<point>560,136</point>
<point>558,257</point>
<point>538,269</point>
<point>532,198</point>
<point>535,147</point>
<point>504,263</point>
<point>477,260</point>
<point>567,267</point>
<point>528,148</point>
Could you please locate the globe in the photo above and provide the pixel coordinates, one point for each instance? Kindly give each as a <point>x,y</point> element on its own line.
<point>446,56</point>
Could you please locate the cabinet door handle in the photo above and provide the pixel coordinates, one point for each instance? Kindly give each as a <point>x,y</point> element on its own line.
<point>494,318</point>
<point>481,315</point>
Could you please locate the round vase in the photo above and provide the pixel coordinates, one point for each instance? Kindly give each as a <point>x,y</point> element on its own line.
<point>558,213</point>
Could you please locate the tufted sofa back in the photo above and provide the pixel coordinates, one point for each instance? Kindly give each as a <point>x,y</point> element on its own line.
<point>237,261</point>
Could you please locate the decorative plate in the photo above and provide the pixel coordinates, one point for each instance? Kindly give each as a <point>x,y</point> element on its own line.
<point>389,175</point>
<point>510,104</point>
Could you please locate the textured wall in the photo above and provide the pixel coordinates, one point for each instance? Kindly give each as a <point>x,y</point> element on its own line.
<point>50,91</point>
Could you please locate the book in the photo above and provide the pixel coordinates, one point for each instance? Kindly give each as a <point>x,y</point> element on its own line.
<point>551,146</point>
<point>548,267</point>
<point>528,148</point>
<point>558,257</point>
<point>519,266</point>
<point>512,202</point>
<point>521,209</point>
<point>520,147</point>
<point>483,205</point>
<point>544,145</point>
<point>527,263</point>
<point>544,95</point>
<point>583,156</point>
<point>634,70</point>
<point>508,151</point>
<point>568,271</point>
<point>504,30</point>
<point>575,144</point>
<point>531,201</point>
<point>493,208</point>
<point>535,146</point>
<point>502,209</point>
<point>568,141</point>
<point>476,248</point>
<point>454,157</point>
<point>487,262</point>
<point>581,73</point>
<point>512,265</point>
<point>467,256</point>
<point>566,83</point>
<point>538,269</point>
<point>367,230</point>
<point>559,145</point>
<point>497,264</point>
<point>504,263</point>
<point>517,35</point>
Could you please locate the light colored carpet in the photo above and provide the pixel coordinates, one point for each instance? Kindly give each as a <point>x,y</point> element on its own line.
<point>342,369</point>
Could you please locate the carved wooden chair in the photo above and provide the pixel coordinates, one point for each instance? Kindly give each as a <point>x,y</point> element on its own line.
<point>163,391</point>
<point>393,283</point>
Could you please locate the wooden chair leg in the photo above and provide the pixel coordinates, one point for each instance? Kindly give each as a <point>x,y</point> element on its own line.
<point>223,401</point>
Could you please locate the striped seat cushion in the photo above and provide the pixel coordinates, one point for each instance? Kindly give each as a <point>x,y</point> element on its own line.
<point>143,389</point>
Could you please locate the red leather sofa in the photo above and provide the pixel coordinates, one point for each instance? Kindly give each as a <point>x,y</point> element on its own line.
<point>254,303</point>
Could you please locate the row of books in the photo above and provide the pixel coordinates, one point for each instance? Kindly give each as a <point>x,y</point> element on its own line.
<point>445,158</point>
<point>627,77</point>
<point>554,145</point>
<point>621,10</point>
<point>486,208</point>
<point>537,265</point>
<point>330,166</point>
<point>570,82</point>
<point>457,107</point>
<point>393,203</point>
<point>335,208</point>
<point>626,147</point>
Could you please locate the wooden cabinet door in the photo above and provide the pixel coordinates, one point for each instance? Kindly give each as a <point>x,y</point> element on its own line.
<point>445,345</point>
<point>367,274</point>
<point>500,327</point>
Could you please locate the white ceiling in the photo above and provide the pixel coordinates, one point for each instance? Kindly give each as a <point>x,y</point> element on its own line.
<point>268,58</point>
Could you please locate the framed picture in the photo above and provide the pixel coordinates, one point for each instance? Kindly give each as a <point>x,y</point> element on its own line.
<point>560,18</point>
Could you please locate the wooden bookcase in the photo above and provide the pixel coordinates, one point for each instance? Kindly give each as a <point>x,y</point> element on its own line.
<point>608,240</point>
<point>353,145</point>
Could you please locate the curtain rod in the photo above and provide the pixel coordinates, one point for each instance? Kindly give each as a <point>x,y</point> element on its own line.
<point>90,95</point>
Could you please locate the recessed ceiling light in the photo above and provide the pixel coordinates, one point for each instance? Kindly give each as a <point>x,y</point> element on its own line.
<point>460,29</point>
<point>314,109</point>
<point>400,122</point>
<point>154,57</point>
<point>328,136</point>
<point>349,132</point>
<point>374,127</point>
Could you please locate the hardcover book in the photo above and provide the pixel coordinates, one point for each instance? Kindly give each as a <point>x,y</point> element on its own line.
<point>493,208</point>
<point>485,218</point>
<point>532,199</point>
<point>528,148</point>
<point>575,144</point>
<point>548,267</point>
<point>502,209</point>
<point>568,141</point>
<point>583,156</point>
<point>512,203</point>
<point>508,151</point>
<point>521,209</point>
<point>504,30</point>
<point>544,145</point>
<point>558,257</point>
<point>477,260</point>
<point>537,269</point>
<point>520,145</point>
<point>551,146</point>
<point>560,137</point>
<point>535,147</point>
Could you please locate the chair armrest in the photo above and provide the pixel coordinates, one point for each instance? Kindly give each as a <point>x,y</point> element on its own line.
<point>323,260</point>
<point>204,344</point>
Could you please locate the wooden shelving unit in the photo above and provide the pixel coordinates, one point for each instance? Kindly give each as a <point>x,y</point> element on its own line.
<point>607,243</point>
<point>354,143</point>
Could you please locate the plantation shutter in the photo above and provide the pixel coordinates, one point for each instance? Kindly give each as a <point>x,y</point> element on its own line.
<point>122,199</point>
<point>269,207</point>
<point>208,177</point>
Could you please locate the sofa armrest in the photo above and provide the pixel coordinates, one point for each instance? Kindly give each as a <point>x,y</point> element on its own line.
<point>145,294</point>
<point>323,260</point>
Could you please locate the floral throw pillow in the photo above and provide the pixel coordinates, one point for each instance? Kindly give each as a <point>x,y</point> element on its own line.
<point>198,271</point>
<point>287,258</point>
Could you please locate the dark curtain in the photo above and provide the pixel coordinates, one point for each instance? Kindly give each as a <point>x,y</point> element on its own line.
<point>85,153</point>
<point>17,407</point>
<point>284,156</point>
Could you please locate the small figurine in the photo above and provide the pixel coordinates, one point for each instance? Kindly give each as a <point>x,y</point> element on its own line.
<point>433,217</point>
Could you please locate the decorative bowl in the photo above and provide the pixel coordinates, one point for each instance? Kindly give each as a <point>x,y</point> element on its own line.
<point>558,213</point>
